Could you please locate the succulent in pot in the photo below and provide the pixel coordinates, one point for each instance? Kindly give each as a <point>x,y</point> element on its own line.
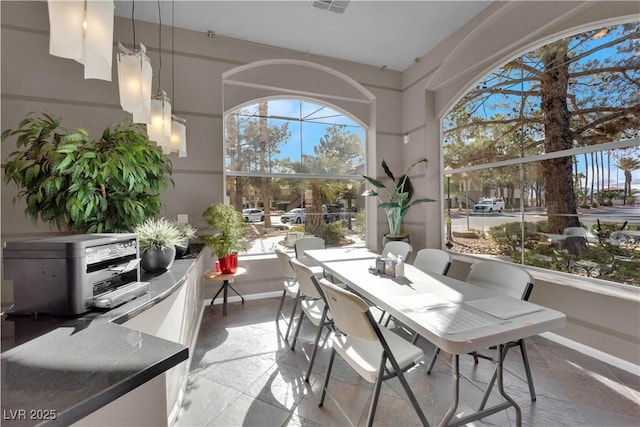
<point>158,238</point>
<point>187,232</point>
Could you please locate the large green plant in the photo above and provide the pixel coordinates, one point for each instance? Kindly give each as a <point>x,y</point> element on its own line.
<point>230,227</point>
<point>67,179</point>
<point>399,196</point>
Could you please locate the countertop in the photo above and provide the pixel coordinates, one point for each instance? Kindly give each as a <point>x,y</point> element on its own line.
<point>57,370</point>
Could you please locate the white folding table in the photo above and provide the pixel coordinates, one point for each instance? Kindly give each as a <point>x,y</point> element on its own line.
<point>456,316</point>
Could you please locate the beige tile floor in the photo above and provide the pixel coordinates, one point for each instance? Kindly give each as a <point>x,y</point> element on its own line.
<point>244,374</point>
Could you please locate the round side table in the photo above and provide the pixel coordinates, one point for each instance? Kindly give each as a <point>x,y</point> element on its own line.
<point>226,279</point>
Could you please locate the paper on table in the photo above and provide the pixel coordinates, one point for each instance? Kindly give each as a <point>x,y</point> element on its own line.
<point>504,307</point>
<point>423,302</point>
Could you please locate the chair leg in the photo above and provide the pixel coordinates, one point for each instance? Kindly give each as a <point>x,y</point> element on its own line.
<point>295,335</point>
<point>376,392</point>
<point>412,398</point>
<point>292,316</point>
<point>433,360</point>
<point>386,324</point>
<point>284,294</point>
<point>326,377</point>
<point>527,368</point>
<point>382,317</point>
<point>415,338</point>
<point>315,344</point>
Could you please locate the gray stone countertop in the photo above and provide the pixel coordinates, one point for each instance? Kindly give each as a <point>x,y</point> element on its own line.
<point>57,370</point>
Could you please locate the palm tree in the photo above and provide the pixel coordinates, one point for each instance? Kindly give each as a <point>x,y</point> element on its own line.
<point>628,165</point>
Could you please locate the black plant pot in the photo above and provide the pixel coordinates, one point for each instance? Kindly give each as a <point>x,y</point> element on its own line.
<point>157,260</point>
<point>182,251</point>
<point>395,238</point>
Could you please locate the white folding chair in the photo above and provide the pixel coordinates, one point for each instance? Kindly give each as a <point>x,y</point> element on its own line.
<point>291,288</point>
<point>397,248</point>
<point>313,307</point>
<point>506,279</point>
<point>373,351</point>
<point>304,244</point>
<point>433,260</point>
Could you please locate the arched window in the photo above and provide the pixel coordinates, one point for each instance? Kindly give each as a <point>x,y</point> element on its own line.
<point>542,158</point>
<point>294,166</point>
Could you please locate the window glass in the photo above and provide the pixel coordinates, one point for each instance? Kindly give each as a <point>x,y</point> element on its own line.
<point>542,158</point>
<point>300,163</point>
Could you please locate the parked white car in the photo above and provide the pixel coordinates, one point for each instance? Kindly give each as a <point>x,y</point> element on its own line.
<point>296,216</point>
<point>489,205</point>
<point>253,215</point>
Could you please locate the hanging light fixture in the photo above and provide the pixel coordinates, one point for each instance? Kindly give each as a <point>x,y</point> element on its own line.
<point>83,31</point>
<point>159,129</point>
<point>178,124</point>
<point>134,79</point>
<point>179,136</point>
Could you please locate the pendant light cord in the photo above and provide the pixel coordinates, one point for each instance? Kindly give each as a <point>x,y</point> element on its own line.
<point>133,23</point>
<point>173,70</point>
<point>159,44</point>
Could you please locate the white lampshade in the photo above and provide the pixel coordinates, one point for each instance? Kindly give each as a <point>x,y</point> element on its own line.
<point>179,136</point>
<point>134,81</point>
<point>159,130</point>
<point>83,31</point>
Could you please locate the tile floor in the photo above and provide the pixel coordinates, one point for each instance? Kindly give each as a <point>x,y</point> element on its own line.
<point>244,374</point>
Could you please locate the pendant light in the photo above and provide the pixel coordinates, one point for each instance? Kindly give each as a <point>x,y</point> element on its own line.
<point>179,136</point>
<point>134,78</point>
<point>83,31</point>
<point>159,129</point>
<point>178,124</point>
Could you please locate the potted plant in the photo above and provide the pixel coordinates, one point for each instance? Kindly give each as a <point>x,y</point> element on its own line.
<point>158,239</point>
<point>399,198</point>
<point>229,239</point>
<point>187,232</point>
<point>84,185</point>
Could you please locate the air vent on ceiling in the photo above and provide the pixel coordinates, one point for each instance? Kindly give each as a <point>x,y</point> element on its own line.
<point>337,6</point>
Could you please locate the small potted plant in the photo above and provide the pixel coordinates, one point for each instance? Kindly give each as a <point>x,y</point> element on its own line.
<point>187,232</point>
<point>230,227</point>
<point>398,199</point>
<point>158,239</point>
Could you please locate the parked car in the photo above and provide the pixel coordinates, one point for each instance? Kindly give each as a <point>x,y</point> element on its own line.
<point>251,215</point>
<point>489,205</point>
<point>296,216</point>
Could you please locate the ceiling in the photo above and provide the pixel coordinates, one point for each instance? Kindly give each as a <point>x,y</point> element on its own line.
<point>388,34</point>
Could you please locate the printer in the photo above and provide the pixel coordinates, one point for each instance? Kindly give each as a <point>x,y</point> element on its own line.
<point>70,275</point>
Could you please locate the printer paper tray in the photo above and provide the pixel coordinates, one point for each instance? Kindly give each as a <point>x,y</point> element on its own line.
<point>121,295</point>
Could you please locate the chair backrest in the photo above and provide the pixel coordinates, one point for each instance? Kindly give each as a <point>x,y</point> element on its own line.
<point>397,248</point>
<point>507,279</point>
<point>305,243</point>
<point>306,280</point>
<point>574,231</point>
<point>432,260</point>
<point>349,312</point>
<point>285,265</point>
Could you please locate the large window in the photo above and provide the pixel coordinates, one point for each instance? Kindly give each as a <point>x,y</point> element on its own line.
<point>542,158</point>
<point>294,167</point>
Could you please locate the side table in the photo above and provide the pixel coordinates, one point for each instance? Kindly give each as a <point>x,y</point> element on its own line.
<point>226,279</point>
